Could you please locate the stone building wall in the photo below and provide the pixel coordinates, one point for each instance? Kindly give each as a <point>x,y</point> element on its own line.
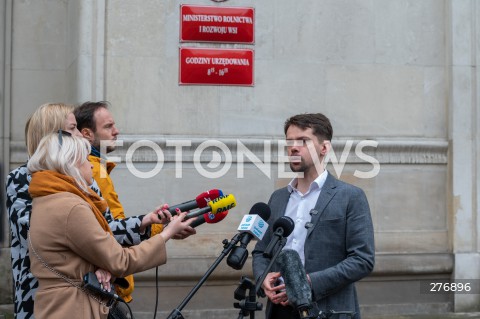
<point>397,78</point>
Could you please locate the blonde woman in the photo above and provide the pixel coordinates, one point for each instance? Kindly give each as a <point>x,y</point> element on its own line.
<point>46,119</point>
<point>65,209</point>
<point>49,118</point>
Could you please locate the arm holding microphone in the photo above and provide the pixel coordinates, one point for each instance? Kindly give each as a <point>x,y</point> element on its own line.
<point>162,216</point>
<point>297,287</point>
<point>264,259</point>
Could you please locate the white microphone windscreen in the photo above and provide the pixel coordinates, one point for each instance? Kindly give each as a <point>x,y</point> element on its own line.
<point>253,224</point>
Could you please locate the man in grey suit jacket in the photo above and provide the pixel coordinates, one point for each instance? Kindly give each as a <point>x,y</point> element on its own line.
<point>333,231</point>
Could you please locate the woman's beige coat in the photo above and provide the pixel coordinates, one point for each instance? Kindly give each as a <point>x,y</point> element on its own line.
<point>65,234</point>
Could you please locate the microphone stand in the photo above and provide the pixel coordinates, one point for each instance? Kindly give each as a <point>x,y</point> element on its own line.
<point>281,243</point>
<point>249,305</point>
<point>228,246</point>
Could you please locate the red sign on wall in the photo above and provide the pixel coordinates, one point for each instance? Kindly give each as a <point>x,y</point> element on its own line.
<point>216,24</point>
<point>216,66</point>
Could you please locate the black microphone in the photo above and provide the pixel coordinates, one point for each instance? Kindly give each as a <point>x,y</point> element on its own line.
<point>252,226</point>
<point>283,227</point>
<point>218,205</point>
<point>200,201</point>
<point>298,290</point>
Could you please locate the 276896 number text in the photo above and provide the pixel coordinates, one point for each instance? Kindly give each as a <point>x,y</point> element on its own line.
<point>459,286</point>
<point>450,287</point>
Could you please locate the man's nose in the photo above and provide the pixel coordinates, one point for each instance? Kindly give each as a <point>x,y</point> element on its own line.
<point>115,131</point>
<point>296,145</point>
<point>293,150</point>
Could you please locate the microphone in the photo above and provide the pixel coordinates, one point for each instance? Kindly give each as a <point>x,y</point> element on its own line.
<point>283,227</point>
<point>298,290</point>
<point>252,226</point>
<point>209,218</point>
<point>218,205</point>
<point>200,201</point>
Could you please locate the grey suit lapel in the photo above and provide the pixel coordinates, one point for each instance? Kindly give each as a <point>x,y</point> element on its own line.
<point>327,193</point>
<point>280,205</point>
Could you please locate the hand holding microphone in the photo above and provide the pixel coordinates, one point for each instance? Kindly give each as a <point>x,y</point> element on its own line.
<point>160,215</point>
<point>178,224</point>
<point>283,227</point>
<point>274,288</point>
<point>297,287</point>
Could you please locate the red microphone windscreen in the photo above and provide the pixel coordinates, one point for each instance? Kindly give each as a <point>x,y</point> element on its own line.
<point>214,218</point>
<point>205,197</point>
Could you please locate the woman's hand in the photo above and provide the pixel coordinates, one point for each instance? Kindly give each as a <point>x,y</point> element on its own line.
<point>160,215</point>
<point>103,277</point>
<point>189,231</point>
<point>178,227</point>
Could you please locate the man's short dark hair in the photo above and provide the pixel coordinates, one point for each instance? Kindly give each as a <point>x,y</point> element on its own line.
<point>84,114</point>
<point>319,123</point>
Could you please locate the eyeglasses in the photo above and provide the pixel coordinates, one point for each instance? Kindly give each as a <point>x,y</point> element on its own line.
<point>60,136</point>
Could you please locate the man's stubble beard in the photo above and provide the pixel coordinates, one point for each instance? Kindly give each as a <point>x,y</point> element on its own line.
<point>299,169</point>
<point>303,168</point>
<point>108,149</point>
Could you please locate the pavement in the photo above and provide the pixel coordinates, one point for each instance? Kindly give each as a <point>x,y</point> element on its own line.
<point>470,315</point>
<point>6,312</point>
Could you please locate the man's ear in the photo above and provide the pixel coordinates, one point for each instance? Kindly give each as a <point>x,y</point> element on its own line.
<point>88,134</point>
<point>325,147</point>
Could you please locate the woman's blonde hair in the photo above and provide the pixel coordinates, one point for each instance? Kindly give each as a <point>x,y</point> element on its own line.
<point>48,118</point>
<point>64,158</point>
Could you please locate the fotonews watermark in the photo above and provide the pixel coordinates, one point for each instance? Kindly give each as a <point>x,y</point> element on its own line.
<point>214,158</point>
